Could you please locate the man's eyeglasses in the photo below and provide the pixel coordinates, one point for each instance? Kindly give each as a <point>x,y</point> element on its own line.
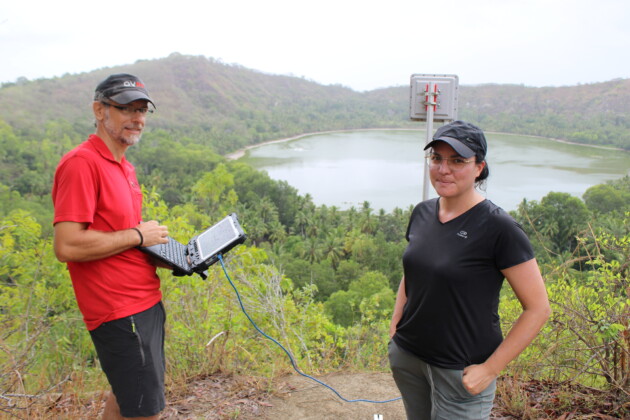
<point>129,110</point>
<point>454,164</point>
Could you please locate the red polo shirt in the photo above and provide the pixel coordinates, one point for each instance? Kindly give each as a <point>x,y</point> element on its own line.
<point>91,187</point>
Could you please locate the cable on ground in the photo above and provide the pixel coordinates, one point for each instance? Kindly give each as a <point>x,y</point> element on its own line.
<point>295,366</point>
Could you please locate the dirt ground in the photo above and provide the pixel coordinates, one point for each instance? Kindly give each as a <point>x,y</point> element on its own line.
<point>227,396</point>
<point>306,399</point>
<point>293,397</point>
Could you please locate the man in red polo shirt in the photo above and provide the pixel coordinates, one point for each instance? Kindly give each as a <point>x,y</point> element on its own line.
<point>98,225</point>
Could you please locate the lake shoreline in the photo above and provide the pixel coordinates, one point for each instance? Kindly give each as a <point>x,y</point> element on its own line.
<point>241,152</point>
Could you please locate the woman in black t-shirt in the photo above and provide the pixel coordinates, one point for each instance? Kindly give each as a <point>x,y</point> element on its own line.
<point>447,348</point>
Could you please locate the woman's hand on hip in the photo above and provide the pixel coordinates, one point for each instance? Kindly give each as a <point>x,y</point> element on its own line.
<point>477,378</point>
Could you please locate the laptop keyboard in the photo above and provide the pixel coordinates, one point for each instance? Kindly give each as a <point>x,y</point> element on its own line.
<point>175,252</point>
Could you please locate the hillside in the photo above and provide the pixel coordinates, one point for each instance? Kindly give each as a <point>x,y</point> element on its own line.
<point>597,113</point>
<point>227,106</point>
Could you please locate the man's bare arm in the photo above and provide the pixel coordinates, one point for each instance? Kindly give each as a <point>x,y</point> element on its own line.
<point>74,242</point>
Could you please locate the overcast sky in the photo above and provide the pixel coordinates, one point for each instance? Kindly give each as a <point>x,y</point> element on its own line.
<point>361,44</point>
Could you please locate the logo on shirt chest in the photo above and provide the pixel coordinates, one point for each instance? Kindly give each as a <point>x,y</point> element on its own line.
<point>462,234</point>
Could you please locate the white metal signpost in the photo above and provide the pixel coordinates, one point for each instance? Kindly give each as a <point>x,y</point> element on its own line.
<point>433,97</point>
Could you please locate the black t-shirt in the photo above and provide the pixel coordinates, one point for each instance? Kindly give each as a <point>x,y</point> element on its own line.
<point>453,281</point>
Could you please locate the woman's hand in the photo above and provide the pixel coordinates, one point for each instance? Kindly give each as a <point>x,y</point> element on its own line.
<point>529,287</point>
<point>401,299</point>
<point>477,378</point>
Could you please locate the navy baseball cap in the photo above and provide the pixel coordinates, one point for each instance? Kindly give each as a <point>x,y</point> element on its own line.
<point>466,139</point>
<point>122,88</point>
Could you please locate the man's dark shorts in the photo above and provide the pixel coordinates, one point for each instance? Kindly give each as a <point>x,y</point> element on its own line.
<point>131,352</point>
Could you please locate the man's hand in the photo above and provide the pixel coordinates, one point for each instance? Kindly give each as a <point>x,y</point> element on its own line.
<point>152,233</point>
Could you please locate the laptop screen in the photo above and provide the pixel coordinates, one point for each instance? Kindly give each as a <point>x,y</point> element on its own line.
<point>215,239</point>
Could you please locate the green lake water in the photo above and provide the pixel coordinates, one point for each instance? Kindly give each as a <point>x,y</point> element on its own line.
<point>385,167</point>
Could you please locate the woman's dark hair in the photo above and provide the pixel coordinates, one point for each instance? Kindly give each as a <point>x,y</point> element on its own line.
<point>480,181</point>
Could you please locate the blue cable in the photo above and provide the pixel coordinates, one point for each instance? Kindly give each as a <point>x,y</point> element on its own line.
<point>295,367</point>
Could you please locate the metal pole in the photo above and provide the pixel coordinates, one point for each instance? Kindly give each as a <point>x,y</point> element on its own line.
<point>431,102</point>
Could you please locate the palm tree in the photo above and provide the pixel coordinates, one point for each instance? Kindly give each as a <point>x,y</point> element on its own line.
<point>256,230</point>
<point>351,216</point>
<point>311,250</point>
<point>268,210</point>
<point>277,234</point>
<point>301,222</point>
<point>368,223</point>
<point>333,247</point>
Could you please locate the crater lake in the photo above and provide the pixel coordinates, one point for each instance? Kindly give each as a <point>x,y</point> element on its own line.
<point>385,167</point>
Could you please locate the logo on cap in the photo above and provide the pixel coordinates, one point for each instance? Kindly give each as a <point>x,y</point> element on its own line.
<point>132,84</point>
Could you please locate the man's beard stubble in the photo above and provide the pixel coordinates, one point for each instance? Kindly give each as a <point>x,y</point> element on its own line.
<point>117,135</point>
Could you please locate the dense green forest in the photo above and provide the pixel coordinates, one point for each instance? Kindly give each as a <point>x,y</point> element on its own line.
<point>205,101</point>
<point>318,278</point>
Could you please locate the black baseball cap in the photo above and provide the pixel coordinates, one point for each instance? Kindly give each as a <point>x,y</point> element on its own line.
<point>122,88</point>
<point>467,139</point>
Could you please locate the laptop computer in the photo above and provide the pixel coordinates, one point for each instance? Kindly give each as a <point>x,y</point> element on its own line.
<point>202,250</point>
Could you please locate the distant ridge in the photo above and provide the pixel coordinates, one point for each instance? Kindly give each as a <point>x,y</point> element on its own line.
<point>228,106</point>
